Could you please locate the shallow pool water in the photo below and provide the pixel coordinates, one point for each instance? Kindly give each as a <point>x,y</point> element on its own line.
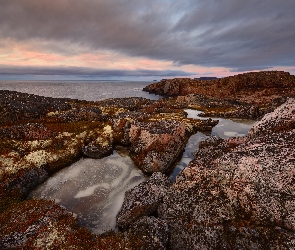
<point>226,128</point>
<point>94,189</point>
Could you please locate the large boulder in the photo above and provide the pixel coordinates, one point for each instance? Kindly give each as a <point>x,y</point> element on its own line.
<point>143,199</point>
<point>237,193</point>
<point>156,145</point>
<point>121,123</point>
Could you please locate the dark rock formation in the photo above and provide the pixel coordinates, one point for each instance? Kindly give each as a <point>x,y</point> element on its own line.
<point>129,103</point>
<point>143,199</point>
<point>96,150</point>
<point>80,114</point>
<point>30,179</point>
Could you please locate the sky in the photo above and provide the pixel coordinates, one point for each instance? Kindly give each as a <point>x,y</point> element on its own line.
<point>144,40</point>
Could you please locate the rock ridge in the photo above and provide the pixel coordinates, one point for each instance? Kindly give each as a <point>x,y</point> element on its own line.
<point>247,95</point>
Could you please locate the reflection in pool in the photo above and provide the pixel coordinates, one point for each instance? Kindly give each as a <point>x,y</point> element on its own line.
<point>92,189</point>
<point>225,128</point>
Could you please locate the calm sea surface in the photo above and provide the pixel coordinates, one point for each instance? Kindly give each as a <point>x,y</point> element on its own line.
<point>83,90</point>
<point>94,189</point>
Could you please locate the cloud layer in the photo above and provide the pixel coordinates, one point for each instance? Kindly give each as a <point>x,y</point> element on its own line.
<point>87,72</point>
<point>234,34</point>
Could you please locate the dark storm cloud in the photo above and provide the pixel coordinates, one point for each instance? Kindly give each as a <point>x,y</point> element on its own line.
<point>230,33</point>
<point>83,71</point>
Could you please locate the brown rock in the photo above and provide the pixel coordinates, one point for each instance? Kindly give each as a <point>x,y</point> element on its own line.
<point>29,131</point>
<point>265,89</point>
<point>156,145</point>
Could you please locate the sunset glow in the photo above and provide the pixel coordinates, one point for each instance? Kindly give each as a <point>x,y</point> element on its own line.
<point>167,39</point>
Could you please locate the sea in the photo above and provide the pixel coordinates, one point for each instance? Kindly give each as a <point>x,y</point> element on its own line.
<point>93,189</point>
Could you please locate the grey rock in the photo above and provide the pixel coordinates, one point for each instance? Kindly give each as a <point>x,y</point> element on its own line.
<point>238,193</point>
<point>143,199</point>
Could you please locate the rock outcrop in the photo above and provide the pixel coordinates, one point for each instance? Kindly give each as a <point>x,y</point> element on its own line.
<point>17,107</point>
<point>237,193</point>
<point>41,224</point>
<point>156,145</point>
<point>41,135</point>
<point>101,146</point>
<point>255,85</point>
<point>282,119</point>
<point>248,95</point>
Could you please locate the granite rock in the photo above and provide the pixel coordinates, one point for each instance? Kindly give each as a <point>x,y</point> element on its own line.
<point>101,146</point>
<point>237,193</point>
<point>154,233</point>
<point>143,199</point>
<point>281,119</point>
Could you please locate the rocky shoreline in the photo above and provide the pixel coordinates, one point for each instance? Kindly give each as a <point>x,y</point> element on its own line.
<point>249,95</point>
<point>236,194</point>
